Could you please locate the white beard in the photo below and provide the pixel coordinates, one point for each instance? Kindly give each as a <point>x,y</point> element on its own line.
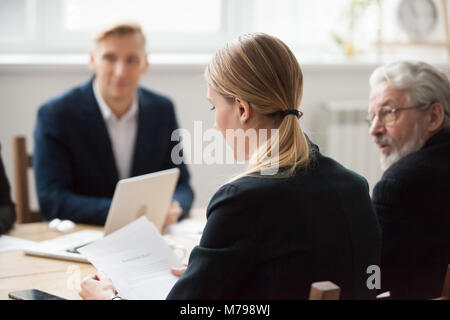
<point>414,144</point>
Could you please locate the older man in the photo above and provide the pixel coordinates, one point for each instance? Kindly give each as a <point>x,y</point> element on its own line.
<point>105,130</point>
<point>409,113</point>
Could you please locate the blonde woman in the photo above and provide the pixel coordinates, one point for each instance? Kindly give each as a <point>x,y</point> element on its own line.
<point>269,236</point>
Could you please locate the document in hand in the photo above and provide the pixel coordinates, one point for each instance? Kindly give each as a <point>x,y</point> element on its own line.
<point>137,259</point>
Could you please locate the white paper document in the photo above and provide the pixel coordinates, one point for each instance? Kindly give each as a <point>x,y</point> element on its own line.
<point>137,259</point>
<point>187,228</point>
<point>8,243</point>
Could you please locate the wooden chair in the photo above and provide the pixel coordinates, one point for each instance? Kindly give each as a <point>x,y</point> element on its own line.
<point>22,162</point>
<point>325,290</point>
<point>445,295</point>
<point>446,288</point>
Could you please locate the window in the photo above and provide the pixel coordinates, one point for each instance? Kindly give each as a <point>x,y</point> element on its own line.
<point>66,26</point>
<point>169,24</point>
<point>309,25</point>
<point>312,27</point>
<point>17,21</point>
<point>168,16</point>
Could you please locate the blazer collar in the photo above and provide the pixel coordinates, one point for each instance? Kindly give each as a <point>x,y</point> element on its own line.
<point>96,131</point>
<point>440,137</point>
<point>148,130</point>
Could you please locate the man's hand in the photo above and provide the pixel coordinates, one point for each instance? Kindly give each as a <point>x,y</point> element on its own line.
<point>173,213</point>
<point>97,287</point>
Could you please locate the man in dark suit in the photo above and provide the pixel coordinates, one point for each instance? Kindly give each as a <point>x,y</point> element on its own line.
<point>410,122</point>
<point>7,209</point>
<point>108,129</point>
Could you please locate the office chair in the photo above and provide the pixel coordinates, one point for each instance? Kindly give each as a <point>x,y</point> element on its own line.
<point>22,162</point>
<point>324,290</point>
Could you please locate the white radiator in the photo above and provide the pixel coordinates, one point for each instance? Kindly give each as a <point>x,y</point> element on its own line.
<point>348,140</point>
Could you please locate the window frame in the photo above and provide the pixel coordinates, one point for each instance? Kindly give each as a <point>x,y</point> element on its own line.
<point>45,36</point>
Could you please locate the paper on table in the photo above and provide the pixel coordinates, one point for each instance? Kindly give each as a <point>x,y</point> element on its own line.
<point>8,243</point>
<point>190,228</point>
<point>137,259</point>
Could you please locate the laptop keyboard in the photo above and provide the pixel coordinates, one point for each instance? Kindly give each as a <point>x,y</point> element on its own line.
<point>75,249</point>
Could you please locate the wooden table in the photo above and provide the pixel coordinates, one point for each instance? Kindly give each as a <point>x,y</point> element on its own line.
<point>59,277</point>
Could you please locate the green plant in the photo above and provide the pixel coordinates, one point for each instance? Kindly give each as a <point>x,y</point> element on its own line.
<point>351,14</point>
<point>354,11</point>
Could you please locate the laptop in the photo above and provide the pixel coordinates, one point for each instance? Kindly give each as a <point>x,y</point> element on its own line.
<point>147,195</point>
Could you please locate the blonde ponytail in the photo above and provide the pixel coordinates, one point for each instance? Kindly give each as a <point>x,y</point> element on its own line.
<point>262,70</point>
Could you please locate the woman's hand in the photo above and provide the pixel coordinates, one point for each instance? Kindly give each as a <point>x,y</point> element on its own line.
<point>97,287</point>
<point>178,271</point>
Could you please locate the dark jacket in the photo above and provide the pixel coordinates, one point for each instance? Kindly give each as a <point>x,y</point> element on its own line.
<point>7,209</point>
<point>412,201</point>
<point>75,170</point>
<point>270,238</point>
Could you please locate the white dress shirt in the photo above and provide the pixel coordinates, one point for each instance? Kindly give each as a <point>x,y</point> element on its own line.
<point>122,132</point>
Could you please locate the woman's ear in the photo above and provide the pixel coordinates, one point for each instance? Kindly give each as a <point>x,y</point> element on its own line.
<point>435,116</point>
<point>244,110</point>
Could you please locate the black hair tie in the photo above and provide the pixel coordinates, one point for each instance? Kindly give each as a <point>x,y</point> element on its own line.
<point>284,113</point>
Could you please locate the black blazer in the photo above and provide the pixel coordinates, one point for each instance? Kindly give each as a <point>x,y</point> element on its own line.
<point>412,201</point>
<point>74,164</point>
<point>7,209</point>
<point>270,238</point>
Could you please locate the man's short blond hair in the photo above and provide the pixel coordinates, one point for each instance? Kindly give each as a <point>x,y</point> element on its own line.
<point>121,28</point>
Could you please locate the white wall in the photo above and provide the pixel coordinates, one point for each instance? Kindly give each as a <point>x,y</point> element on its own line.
<point>23,88</point>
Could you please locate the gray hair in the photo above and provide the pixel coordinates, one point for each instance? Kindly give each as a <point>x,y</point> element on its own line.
<point>423,83</point>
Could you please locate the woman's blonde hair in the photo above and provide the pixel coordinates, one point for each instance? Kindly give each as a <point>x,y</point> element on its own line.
<point>263,71</point>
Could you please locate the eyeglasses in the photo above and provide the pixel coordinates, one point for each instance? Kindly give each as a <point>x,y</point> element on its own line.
<point>386,115</point>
